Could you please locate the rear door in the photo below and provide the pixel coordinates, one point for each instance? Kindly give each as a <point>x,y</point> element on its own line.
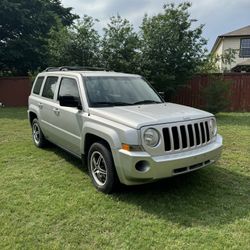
<point>47,106</point>
<point>69,121</point>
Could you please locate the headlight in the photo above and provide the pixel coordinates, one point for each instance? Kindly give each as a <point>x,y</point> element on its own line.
<point>151,137</point>
<point>213,127</point>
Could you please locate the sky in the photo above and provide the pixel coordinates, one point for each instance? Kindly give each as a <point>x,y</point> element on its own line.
<point>219,16</point>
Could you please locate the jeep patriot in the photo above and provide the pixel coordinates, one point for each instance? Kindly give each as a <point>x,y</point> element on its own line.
<point>122,127</point>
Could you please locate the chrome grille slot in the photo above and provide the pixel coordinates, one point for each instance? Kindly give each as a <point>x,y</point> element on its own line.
<point>185,136</point>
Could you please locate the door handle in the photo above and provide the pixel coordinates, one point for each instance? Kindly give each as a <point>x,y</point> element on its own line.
<point>56,111</point>
<point>40,105</point>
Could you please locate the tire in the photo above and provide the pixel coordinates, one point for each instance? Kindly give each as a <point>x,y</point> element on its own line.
<point>101,168</point>
<point>37,134</point>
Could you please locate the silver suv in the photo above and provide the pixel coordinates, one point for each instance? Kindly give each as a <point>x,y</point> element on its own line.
<point>120,125</point>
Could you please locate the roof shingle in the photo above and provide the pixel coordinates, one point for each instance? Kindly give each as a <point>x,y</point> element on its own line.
<point>244,31</point>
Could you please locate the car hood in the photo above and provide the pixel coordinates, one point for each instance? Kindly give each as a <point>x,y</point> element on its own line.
<point>150,114</point>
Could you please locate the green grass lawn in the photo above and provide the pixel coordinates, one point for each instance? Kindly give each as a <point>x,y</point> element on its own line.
<point>47,200</point>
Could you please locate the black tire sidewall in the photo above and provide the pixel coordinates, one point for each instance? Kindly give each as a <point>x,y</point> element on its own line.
<point>111,182</point>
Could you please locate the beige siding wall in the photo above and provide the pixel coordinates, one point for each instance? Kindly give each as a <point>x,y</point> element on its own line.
<point>232,43</point>
<point>218,53</point>
<point>229,43</point>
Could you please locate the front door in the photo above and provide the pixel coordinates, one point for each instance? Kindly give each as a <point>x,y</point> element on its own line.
<point>69,120</point>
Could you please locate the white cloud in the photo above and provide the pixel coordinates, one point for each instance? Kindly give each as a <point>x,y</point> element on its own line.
<point>219,16</point>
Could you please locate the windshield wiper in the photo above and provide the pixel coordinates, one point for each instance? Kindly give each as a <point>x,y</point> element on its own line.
<point>146,102</point>
<point>110,103</point>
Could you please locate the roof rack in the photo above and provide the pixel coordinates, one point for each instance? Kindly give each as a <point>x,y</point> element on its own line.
<point>76,68</point>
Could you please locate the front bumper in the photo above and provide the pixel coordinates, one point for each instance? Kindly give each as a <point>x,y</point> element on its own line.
<point>166,165</point>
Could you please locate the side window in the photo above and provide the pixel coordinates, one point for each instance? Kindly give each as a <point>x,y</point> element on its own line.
<point>49,87</point>
<point>68,87</point>
<point>38,84</point>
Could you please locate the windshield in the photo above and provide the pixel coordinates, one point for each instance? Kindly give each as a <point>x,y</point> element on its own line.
<point>119,91</point>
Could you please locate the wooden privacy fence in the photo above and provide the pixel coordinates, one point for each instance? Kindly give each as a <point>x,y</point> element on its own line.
<point>14,91</point>
<point>191,94</point>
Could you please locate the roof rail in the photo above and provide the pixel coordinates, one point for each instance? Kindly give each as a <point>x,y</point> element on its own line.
<point>72,68</point>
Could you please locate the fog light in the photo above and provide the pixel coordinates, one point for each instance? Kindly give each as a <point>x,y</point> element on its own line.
<point>142,166</point>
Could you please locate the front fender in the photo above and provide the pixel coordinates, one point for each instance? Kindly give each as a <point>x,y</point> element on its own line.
<point>106,133</point>
<point>109,135</point>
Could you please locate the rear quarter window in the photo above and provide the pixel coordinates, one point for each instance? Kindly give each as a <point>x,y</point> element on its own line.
<point>38,85</point>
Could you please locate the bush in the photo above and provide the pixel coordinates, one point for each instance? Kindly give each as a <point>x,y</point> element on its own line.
<point>216,95</point>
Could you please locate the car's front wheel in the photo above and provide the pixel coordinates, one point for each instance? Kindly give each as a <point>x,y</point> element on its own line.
<point>37,134</point>
<point>101,168</point>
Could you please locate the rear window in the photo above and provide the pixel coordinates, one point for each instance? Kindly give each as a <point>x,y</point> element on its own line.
<point>49,87</point>
<point>38,84</point>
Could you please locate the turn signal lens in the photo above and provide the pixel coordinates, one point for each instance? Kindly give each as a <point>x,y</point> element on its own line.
<point>128,147</point>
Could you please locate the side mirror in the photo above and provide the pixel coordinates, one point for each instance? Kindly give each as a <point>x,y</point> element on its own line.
<point>70,101</point>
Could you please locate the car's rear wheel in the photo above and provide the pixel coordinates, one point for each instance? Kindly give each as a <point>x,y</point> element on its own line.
<point>101,168</point>
<point>37,134</point>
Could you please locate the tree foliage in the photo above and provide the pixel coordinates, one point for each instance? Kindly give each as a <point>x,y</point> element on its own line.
<point>78,44</point>
<point>228,57</point>
<point>171,49</point>
<point>210,62</point>
<point>86,43</point>
<point>24,28</point>
<point>40,33</point>
<point>208,65</point>
<point>59,46</point>
<point>120,45</point>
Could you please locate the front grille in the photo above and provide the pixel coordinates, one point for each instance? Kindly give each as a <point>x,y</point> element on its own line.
<point>178,137</point>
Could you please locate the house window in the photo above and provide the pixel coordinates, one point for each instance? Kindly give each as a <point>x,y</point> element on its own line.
<point>245,47</point>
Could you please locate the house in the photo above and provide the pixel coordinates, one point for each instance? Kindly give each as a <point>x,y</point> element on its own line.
<point>236,42</point>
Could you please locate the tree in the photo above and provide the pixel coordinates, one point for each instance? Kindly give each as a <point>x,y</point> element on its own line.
<point>210,62</point>
<point>24,29</point>
<point>171,50</point>
<point>60,46</point>
<point>228,57</point>
<point>86,43</point>
<point>78,44</point>
<point>120,45</point>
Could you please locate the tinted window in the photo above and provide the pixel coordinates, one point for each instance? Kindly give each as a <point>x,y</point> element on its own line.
<point>49,87</point>
<point>38,84</point>
<point>69,87</point>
